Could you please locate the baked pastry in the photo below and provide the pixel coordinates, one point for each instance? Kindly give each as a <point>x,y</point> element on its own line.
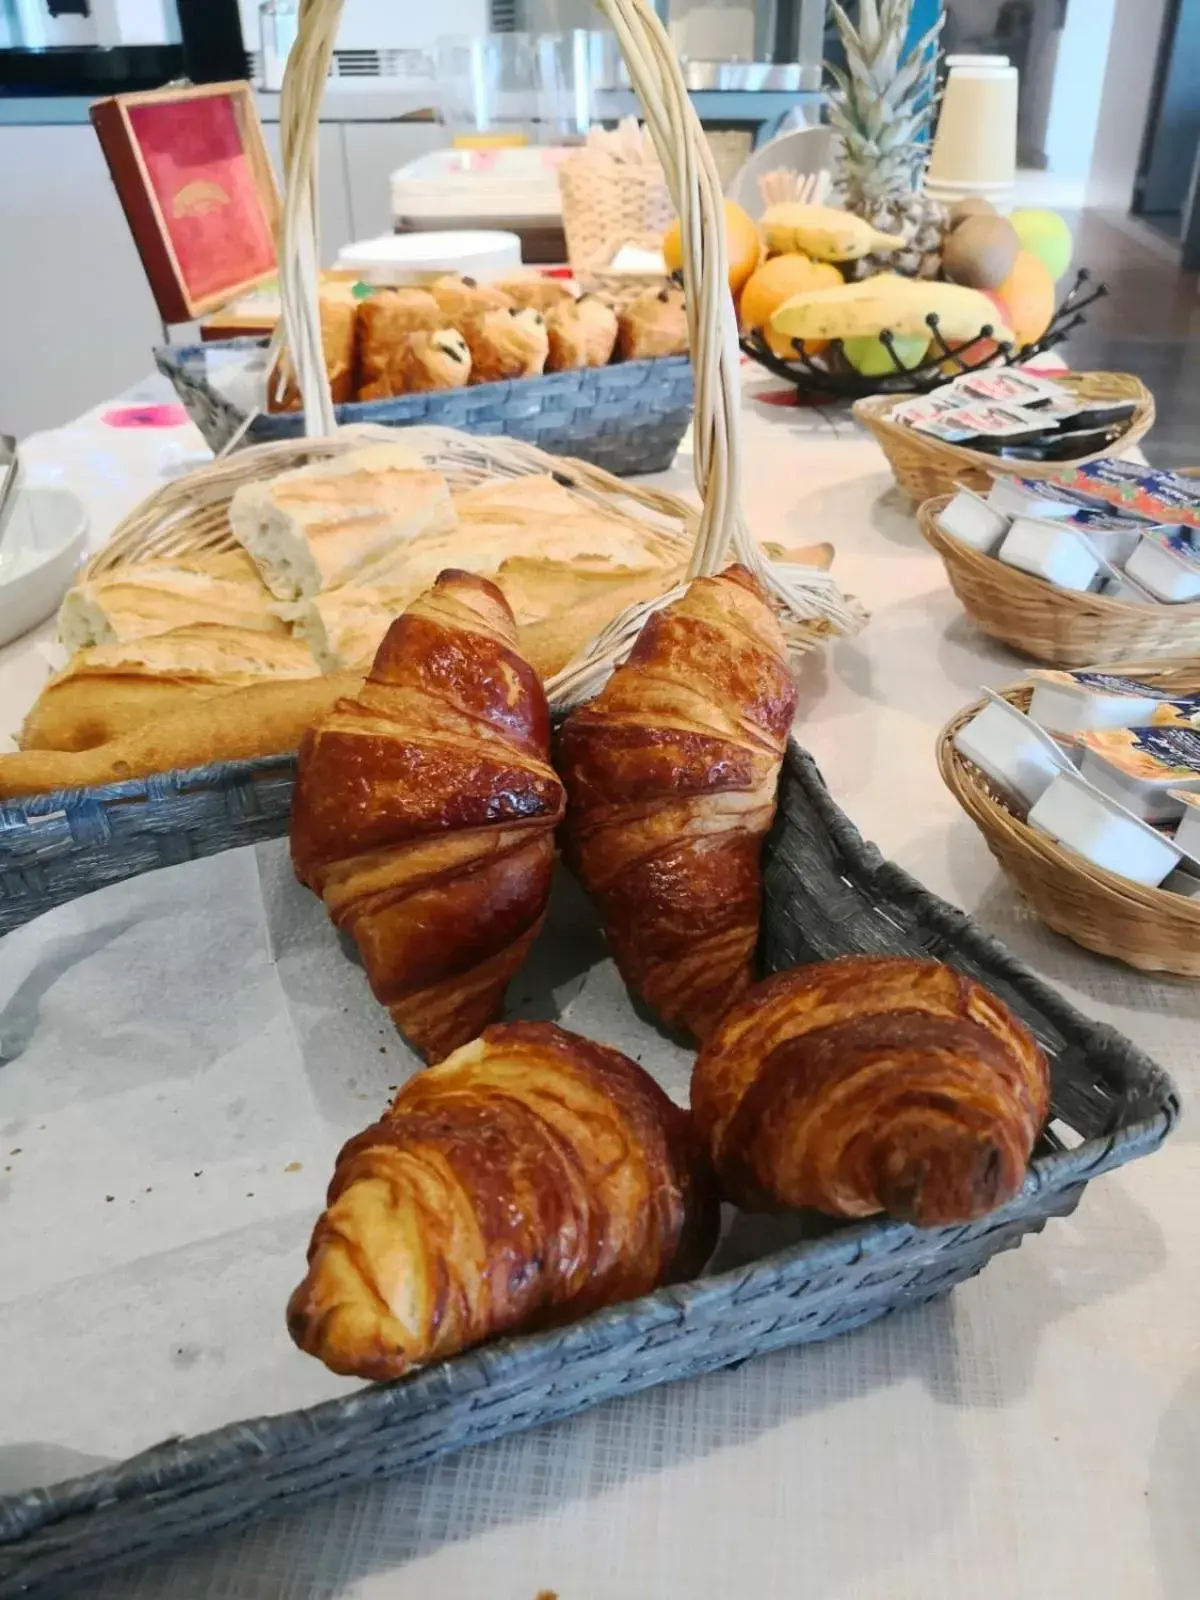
<point>507,344</point>
<point>581,334</point>
<point>464,302</point>
<point>265,719</point>
<point>111,689</point>
<point>867,1085</point>
<point>532,1178</point>
<point>338,311</point>
<point>134,602</point>
<point>653,325</point>
<point>536,292</point>
<point>427,361</point>
<point>671,776</point>
<point>344,520</point>
<point>425,810</point>
<point>385,319</point>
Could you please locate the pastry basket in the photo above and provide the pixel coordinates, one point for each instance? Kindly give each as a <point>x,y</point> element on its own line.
<point>925,467</point>
<point>1154,930</point>
<point>1057,627</point>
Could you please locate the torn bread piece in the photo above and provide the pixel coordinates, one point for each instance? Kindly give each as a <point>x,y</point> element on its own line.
<point>338,522</point>
<point>135,602</point>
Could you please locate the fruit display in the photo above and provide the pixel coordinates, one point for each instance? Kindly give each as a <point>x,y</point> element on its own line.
<point>742,242</point>
<point>882,287</point>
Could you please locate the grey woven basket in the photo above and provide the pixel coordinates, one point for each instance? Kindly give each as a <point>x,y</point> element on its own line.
<point>628,418</point>
<point>54,847</point>
<point>827,892</point>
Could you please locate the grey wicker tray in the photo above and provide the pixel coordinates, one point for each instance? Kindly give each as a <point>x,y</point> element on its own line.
<point>827,892</point>
<point>627,418</point>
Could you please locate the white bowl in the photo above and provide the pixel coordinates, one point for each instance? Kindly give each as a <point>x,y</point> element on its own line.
<point>43,545</point>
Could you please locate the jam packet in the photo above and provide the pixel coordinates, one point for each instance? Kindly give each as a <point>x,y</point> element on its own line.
<point>1160,497</point>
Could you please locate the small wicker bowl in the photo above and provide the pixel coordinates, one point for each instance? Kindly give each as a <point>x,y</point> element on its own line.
<point>926,467</point>
<point>1154,930</point>
<point>1057,627</point>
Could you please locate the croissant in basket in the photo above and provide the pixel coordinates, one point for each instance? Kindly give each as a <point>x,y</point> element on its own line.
<point>866,1085</point>
<point>671,775</point>
<point>425,809</point>
<point>528,1180</point>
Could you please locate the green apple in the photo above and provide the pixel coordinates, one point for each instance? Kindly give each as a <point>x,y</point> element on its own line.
<point>1045,235</point>
<point>872,358</point>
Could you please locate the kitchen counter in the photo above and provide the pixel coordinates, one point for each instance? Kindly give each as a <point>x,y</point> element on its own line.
<point>1037,1433</point>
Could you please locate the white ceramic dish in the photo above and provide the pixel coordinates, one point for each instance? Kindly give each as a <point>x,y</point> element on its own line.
<point>971,521</point>
<point>1014,752</point>
<point>1095,826</point>
<point>419,257</point>
<point>1168,571</point>
<point>43,545</point>
<point>1046,549</point>
<point>1083,702</point>
<point>1143,768</point>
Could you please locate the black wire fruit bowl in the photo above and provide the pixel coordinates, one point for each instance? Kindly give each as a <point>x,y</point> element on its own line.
<point>831,374</point>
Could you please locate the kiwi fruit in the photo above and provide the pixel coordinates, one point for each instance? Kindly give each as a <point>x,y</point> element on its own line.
<point>981,252</point>
<point>971,207</point>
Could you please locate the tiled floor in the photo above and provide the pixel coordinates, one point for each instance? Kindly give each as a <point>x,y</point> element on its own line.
<point>1149,325</point>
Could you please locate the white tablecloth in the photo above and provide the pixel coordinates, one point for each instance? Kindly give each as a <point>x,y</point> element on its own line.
<point>1036,1434</point>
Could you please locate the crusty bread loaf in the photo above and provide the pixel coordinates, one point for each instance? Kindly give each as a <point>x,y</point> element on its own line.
<point>110,689</point>
<point>135,602</point>
<point>265,719</point>
<point>341,521</point>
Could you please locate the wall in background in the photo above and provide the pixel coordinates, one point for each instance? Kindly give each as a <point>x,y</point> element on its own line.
<point>1125,101</point>
<point>1083,56</point>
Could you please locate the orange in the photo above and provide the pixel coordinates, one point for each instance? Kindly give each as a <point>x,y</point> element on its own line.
<point>741,241</point>
<point>778,280</point>
<point>1028,296</point>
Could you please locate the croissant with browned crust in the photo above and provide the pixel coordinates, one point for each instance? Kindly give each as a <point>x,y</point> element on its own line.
<point>425,809</point>
<point>528,1180</point>
<point>866,1085</point>
<point>671,776</point>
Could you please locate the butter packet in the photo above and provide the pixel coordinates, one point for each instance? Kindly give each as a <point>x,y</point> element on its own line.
<point>1080,702</point>
<point>1144,769</point>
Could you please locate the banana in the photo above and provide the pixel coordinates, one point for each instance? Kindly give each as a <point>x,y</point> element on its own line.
<point>822,232</point>
<point>900,305</point>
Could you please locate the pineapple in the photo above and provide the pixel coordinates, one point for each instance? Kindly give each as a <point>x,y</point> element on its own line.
<point>884,101</point>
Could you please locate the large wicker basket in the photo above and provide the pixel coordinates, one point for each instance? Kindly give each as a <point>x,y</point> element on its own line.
<point>606,205</point>
<point>827,893</point>
<point>1057,627</point>
<point>1154,930</point>
<point>926,467</point>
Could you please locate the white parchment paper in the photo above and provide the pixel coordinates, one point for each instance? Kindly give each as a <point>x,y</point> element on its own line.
<point>181,1058</point>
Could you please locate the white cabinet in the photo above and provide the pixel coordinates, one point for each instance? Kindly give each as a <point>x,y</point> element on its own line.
<point>373,152</point>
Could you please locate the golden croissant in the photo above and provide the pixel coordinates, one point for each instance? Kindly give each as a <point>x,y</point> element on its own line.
<point>866,1085</point>
<point>671,776</point>
<point>425,809</point>
<point>529,1179</point>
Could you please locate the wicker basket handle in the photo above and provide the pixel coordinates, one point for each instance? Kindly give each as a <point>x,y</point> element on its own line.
<point>810,602</point>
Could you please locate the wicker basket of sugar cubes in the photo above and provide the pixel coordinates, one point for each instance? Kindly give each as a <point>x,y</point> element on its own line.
<point>1099,563</point>
<point>1086,787</point>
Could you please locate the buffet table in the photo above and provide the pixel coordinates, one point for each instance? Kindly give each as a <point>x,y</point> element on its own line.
<point>1036,1433</point>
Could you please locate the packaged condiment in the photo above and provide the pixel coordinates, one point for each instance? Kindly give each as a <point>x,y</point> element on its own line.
<point>1144,768</point>
<point>1014,752</point>
<point>1028,497</point>
<point>1160,497</point>
<point>1187,835</point>
<point>1167,563</point>
<point>1051,550</point>
<point>1097,827</point>
<point>1080,702</point>
<point>971,520</point>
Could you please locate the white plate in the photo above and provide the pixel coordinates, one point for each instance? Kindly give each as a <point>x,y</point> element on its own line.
<point>43,545</point>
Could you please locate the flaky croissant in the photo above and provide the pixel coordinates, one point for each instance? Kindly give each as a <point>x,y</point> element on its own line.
<point>531,1178</point>
<point>671,776</point>
<point>425,809</point>
<point>866,1085</point>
